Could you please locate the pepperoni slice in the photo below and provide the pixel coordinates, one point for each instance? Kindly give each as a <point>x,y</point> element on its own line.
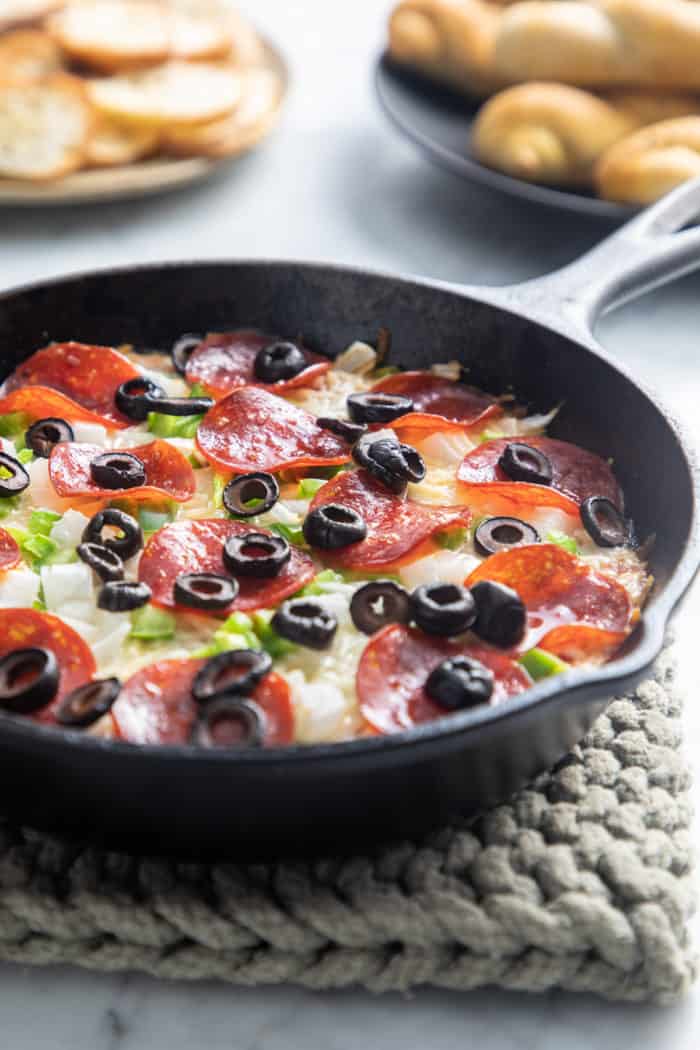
<point>169,474</point>
<point>252,429</point>
<point>10,554</point>
<point>394,668</point>
<point>197,546</point>
<point>398,530</point>
<point>576,474</point>
<point>155,705</point>
<point>572,609</point>
<point>224,361</point>
<point>28,629</point>
<point>438,403</point>
<point>71,381</point>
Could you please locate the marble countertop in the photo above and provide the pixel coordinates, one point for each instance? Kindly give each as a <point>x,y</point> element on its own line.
<point>336,183</point>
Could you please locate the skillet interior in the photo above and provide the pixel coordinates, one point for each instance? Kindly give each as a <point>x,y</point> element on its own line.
<point>298,800</point>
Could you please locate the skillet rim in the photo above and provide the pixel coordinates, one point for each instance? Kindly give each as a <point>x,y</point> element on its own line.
<point>650,632</point>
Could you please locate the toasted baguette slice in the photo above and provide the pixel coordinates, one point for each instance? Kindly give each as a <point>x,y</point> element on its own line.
<point>251,120</point>
<point>114,34</point>
<point>245,47</point>
<point>112,143</point>
<point>43,128</point>
<point>197,38</point>
<point>28,54</point>
<point>174,93</point>
<point>19,12</point>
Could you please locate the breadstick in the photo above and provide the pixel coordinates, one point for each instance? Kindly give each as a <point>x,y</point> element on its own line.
<point>604,43</point>
<point>642,167</point>
<point>552,133</point>
<point>449,40</point>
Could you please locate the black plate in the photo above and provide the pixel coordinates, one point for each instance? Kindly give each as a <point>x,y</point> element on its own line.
<point>439,121</point>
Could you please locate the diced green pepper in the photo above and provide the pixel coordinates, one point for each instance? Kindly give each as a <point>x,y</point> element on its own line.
<point>14,425</point>
<point>386,370</point>
<point>540,664</point>
<point>8,504</point>
<point>308,487</point>
<point>567,543</point>
<point>489,435</point>
<point>150,624</point>
<point>271,641</point>
<point>25,455</point>
<point>152,520</point>
<point>42,521</point>
<point>173,426</point>
<point>319,582</point>
<point>291,533</point>
<point>197,390</point>
<point>219,484</point>
<point>452,539</point>
<point>36,548</point>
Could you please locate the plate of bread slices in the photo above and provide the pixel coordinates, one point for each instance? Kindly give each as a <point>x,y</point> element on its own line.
<point>101,99</point>
<point>589,106</point>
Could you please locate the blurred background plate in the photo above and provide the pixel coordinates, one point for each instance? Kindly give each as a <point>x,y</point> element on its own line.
<point>155,175</point>
<point>439,122</point>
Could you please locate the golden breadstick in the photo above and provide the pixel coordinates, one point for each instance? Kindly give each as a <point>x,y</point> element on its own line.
<point>450,40</point>
<point>604,43</point>
<point>553,133</point>
<point>642,167</point>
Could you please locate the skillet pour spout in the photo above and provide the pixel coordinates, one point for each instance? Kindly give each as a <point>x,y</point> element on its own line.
<point>536,339</point>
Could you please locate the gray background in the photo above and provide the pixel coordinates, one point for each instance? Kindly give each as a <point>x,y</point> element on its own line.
<point>335,183</point>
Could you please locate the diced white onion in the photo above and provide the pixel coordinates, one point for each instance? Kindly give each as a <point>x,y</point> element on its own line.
<point>446,447</point>
<point>90,433</point>
<point>63,584</point>
<point>108,649</point>
<point>447,370</point>
<point>68,532</point>
<point>43,492</point>
<point>359,358</point>
<point>18,588</point>
<point>445,566</point>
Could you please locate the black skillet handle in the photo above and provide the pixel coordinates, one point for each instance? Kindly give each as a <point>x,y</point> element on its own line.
<point>650,250</point>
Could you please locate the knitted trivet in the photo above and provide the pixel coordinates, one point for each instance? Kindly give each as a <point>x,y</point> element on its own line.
<point>582,882</point>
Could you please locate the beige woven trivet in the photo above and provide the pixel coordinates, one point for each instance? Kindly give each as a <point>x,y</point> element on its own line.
<point>581,882</point>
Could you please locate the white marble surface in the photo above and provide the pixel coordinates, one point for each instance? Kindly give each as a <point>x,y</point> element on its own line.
<point>335,183</point>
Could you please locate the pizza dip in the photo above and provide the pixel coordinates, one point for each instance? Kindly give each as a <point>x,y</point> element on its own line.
<point>241,543</point>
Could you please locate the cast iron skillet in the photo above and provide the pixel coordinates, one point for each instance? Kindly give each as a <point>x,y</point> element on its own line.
<point>535,338</point>
<point>440,122</point>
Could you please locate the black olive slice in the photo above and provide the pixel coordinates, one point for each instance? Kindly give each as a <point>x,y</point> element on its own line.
<point>182,351</point>
<point>443,608</point>
<point>305,622</point>
<point>500,534</point>
<point>88,702</point>
<point>204,590</point>
<point>343,428</point>
<point>246,487</point>
<point>104,562</point>
<point>125,545</point>
<point>522,462</point>
<point>45,433</point>
<point>377,408</point>
<point>230,722</point>
<point>390,462</point>
<point>233,673</point>
<point>279,361</point>
<point>13,477</point>
<point>501,617</point>
<point>604,523</point>
<point>379,603</point>
<point>333,526</point>
<point>28,680</point>
<point>256,554</point>
<point>117,470</point>
<point>123,596</point>
<point>137,397</point>
<point>460,682</point>
<point>182,406</point>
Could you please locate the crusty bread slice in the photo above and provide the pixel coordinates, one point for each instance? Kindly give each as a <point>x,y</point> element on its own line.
<point>245,47</point>
<point>249,123</point>
<point>174,93</point>
<point>113,35</point>
<point>43,128</point>
<point>112,143</point>
<point>198,38</point>
<point>28,54</point>
<point>20,12</point>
